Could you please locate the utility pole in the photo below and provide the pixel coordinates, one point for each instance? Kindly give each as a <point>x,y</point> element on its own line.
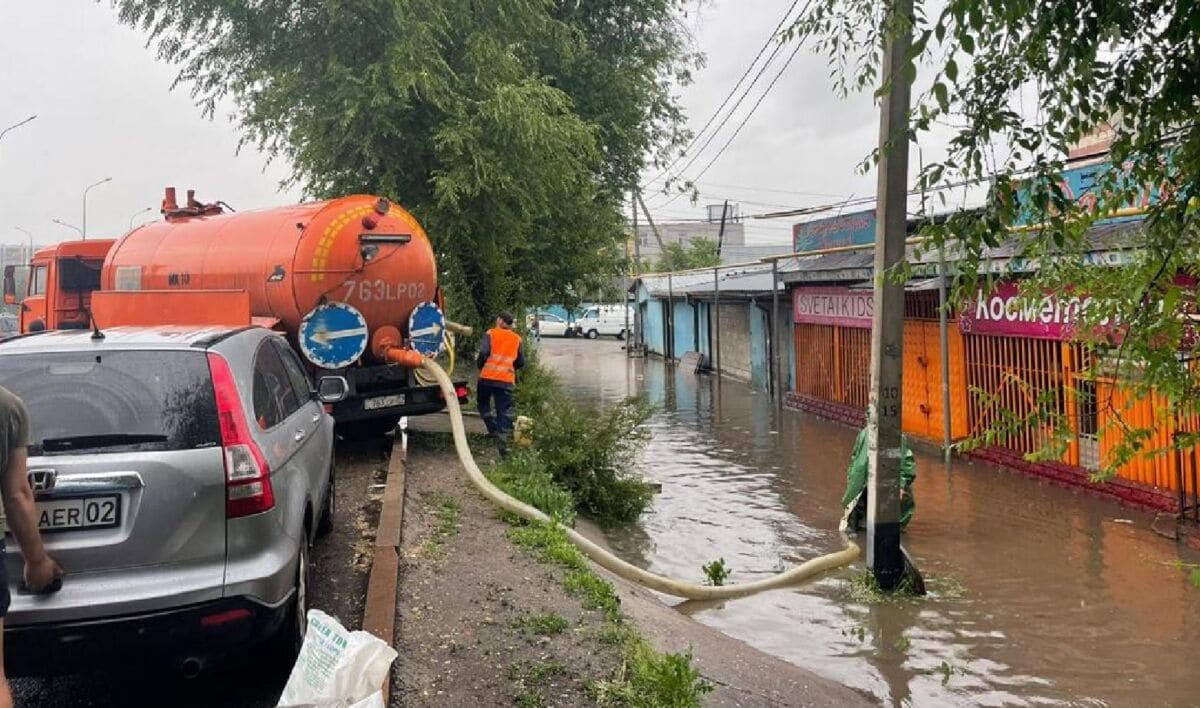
<point>650,220</point>
<point>637,274</point>
<point>884,556</point>
<point>83,230</point>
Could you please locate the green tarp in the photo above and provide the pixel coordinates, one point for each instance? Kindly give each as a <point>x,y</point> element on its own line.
<point>856,482</point>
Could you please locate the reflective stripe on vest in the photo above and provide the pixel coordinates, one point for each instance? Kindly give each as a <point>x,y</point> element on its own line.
<point>499,365</point>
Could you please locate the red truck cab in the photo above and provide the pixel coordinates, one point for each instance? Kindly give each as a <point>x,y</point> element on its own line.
<point>62,279</point>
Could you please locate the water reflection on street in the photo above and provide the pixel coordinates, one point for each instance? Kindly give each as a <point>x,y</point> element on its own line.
<point>1039,594</point>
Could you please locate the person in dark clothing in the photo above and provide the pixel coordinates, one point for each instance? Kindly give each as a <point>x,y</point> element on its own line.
<point>41,572</point>
<point>500,355</point>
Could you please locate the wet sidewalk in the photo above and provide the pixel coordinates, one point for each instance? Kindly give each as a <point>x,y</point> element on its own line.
<point>1040,594</point>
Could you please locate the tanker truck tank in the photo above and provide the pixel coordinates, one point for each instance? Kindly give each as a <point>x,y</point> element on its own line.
<point>331,273</point>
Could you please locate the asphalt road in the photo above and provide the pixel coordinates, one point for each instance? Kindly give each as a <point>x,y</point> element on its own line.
<point>340,563</point>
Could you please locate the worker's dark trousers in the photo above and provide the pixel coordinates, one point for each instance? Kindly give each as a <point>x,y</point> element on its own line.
<point>499,424</point>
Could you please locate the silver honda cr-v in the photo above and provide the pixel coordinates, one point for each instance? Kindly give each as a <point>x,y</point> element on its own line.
<point>180,476</point>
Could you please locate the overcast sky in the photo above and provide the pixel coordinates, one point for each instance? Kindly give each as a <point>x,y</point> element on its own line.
<point>105,109</point>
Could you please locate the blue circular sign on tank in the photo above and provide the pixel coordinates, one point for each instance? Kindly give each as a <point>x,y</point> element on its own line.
<point>334,335</point>
<point>427,329</point>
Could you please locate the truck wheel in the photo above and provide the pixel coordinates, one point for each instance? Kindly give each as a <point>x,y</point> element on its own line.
<point>592,334</point>
<point>621,335</point>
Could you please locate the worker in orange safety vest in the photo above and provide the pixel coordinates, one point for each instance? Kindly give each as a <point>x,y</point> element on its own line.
<point>500,355</point>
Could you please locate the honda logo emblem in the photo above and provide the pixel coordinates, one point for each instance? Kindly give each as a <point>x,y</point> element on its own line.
<point>42,480</point>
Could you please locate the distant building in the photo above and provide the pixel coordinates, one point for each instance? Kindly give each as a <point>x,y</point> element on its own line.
<point>707,227</point>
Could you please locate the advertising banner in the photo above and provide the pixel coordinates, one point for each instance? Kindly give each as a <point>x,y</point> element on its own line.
<point>845,230</point>
<point>833,306</point>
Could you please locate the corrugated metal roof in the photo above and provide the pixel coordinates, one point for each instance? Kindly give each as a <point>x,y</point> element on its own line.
<point>739,279</point>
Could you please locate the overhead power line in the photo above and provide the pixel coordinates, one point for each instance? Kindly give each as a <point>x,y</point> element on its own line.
<point>770,40</point>
<point>745,120</point>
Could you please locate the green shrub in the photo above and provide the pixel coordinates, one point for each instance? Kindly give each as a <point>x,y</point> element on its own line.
<point>587,450</point>
<point>715,573</point>
<point>649,679</point>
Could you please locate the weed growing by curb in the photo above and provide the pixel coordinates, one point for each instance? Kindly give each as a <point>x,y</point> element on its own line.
<point>646,677</point>
<point>446,511</point>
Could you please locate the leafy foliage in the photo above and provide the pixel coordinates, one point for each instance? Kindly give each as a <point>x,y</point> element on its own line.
<point>1017,83</point>
<point>510,127</point>
<point>697,253</point>
<point>588,451</point>
<point>715,572</point>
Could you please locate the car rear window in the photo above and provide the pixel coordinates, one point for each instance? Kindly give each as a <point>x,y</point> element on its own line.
<point>159,400</point>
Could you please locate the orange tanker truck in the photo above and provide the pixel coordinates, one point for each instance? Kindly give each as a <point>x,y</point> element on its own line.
<point>352,283</point>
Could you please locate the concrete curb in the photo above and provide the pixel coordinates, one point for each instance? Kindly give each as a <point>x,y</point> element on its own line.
<point>379,614</point>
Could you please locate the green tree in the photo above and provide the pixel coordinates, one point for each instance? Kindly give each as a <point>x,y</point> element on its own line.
<point>509,127</point>
<point>696,253</point>
<point>1014,84</point>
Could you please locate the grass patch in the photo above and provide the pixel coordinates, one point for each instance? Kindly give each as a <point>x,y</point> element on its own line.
<point>646,678</point>
<point>446,512</point>
<point>595,592</point>
<point>548,543</point>
<point>649,679</point>
<point>864,589</point>
<point>529,675</point>
<point>524,476</point>
<point>543,625</point>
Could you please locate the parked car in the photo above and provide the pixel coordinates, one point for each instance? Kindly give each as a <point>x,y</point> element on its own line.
<point>551,325</point>
<point>180,475</point>
<point>604,319</point>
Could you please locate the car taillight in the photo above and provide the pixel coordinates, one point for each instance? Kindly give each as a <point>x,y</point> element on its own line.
<point>247,476</point>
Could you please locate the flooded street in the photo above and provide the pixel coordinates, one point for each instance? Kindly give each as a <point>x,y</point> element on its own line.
<point>1039,595</point>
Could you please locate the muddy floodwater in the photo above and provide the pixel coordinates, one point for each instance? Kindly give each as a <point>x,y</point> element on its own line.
<point>1040,595</point>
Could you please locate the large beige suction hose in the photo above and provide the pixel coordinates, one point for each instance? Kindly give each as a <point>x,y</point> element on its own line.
<point>692,591</point>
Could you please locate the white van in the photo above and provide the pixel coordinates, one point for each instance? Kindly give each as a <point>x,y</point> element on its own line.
<point>604,319</point>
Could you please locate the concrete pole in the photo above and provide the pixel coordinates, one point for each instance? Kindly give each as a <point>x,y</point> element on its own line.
<point>884,556</point>
<point>625,288</point>
<point>637,274</point>
<point>715,325</point>
<point>775,387</point>
<point>669,322</point>
<point>945,337</point>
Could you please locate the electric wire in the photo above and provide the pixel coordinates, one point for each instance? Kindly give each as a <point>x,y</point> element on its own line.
<point>732,91</point>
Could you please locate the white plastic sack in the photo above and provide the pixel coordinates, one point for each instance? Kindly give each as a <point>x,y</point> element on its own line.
<point>337,668</point>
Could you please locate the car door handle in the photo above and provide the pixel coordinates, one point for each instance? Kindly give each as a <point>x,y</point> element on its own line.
<point>316,418</point>
<point>299,435</point>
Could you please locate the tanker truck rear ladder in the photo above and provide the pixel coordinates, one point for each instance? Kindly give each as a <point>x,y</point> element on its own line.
<point>59,289</point>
